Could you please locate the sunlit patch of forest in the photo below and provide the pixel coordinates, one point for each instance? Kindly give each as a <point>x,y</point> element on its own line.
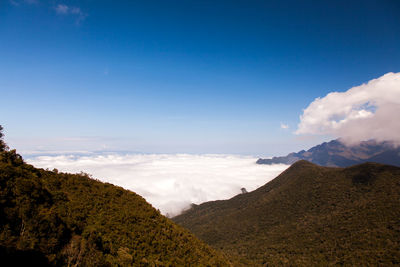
<point>53,218</point>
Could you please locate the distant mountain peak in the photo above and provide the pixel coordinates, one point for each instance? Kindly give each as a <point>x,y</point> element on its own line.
<point>337,154</point>
<point>302,163</point>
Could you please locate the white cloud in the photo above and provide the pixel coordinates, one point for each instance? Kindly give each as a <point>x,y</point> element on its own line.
<point>170,182</point>
<point>368,111</point>
<point>19,2</point>
<point>284,126</point>
<point>63,9</point>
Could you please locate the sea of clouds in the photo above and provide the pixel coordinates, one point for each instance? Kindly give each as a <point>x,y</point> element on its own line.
<point>170,182</point>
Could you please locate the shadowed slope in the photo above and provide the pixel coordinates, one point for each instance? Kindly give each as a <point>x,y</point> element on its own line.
<point>309,215</point>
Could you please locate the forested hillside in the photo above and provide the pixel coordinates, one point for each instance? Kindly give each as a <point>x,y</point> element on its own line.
<point>309,216</point>
<point>52,218</point>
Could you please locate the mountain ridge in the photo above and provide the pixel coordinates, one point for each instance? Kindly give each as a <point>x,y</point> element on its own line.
<point>337,154</point>
<point>308,215</point>
<point>50,218</point>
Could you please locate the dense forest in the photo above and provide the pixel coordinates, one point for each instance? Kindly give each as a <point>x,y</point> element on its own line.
<point>309,216</point>
<point>60,219</point>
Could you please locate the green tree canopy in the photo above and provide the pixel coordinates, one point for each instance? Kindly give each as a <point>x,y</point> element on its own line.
<point>2,144</point>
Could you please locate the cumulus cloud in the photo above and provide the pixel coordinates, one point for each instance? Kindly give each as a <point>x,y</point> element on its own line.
<point>368,111</point>
<point>63,9</point>
<point>284,126</point>
<point>170,182</point>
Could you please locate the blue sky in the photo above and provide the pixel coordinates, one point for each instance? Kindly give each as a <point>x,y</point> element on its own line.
<point>183,76</point>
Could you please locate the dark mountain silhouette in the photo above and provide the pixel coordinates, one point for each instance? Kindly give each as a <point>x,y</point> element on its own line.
<point>48,218</point>
<point>309,216</point>
<point>336,154</point>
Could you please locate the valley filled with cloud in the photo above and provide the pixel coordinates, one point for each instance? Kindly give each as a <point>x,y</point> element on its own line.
<point>170,182</point>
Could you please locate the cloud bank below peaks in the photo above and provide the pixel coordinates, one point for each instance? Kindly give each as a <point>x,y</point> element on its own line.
<point>368,111</point>
<point>170,182</point>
